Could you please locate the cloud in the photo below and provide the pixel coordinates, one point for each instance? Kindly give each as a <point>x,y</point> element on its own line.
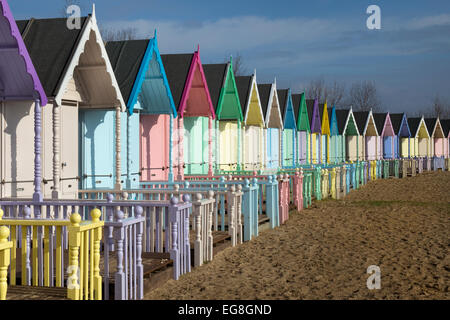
<point>430,21</point>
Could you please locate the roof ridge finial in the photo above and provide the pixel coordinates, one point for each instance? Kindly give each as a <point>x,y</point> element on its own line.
<point>93,11</point>
<point>198,48</point>
<point>275,80</point>
<point>155,35</point>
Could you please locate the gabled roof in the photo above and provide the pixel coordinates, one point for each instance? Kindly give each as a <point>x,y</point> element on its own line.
<point>361,119</point>
<point>430,124</point>
<point>296,97</point>
<point>139,70</point>
<point>413,124</point>
<point>177,70</point>
<point>51,45</point>
<point>243,84</point>
<point>380,120</point>
<point>400,124</point>
<point>283,99</point>
<point>215,76</point>
<point>18,75</point>
<point>126,59</point>
<point>446,127</point>
<point>181,72</point>
<point>303,123</point>
<point>56,52</point>
<point>334,129</point>
<point>314,115</point>
<point>264,95</point>
<point>341,118</point>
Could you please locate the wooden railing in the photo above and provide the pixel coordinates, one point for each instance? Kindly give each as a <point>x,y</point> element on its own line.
<point>5,258</point>
<point>42,258</point>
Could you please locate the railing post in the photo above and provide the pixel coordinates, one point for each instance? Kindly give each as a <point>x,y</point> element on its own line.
<point>239,213</point>
<point>119,236</point>
<point>333,183</point>
<point>73,286</point>
<point>174,223</point>
<point>97,234</point>
<point>232,213</point>
<point>300,190</point>
<point>198,243</point>
<point>139,267</point>
<point>5,259</point>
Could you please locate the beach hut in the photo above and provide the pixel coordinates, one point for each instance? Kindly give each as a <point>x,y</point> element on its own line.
<point>227,126</point>
<point>402,135</point>
<point>288,144</point>
<point>195,112</point>
<point>348,129</point>
<point>21,98</point>
<point>386,134</point>
<point>273,124</point>
<point>303,128</point>
<point>420,144</point>
<point>316,127</point>
<point>147,128</point>
<point>369,133</point>
<point>436,137</point>
<point>253,127</point>
<point>446,128</point>
<point>325,129</point>
<point>336,153</point>
<point>81,131</point>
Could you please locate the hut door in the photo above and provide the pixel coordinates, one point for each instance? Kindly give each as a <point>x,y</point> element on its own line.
<point>324,148</point>
<point>154,147</point>
<point>228,145</point>
<point>193,145</point>
<point>404,147</point>
<point>275,147</point>
<point>371,146</point>
<point>387,147</point>
<point>98,149</point>
<point>69,150</point>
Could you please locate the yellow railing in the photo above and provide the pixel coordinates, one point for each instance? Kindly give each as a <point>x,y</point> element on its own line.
<point>84,281</point>
<point>5,248</point>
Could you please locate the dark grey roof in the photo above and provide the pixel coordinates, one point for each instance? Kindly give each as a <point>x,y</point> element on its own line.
<point>126,59</point>
<point>361,119</point>
<point>445,126</point>
<point>310,107</point>
<point>380,119</point>
<point>215,75</point>
<point>243,86</point>
<point>430,123</point>
<point>51,46</point>
<point>264,95</point>
<point>413,124</point>
<point>177,68</point>
<point>296,98</point>
<point>282,98</point>
<point>341,118</point>
<point>396,120</point>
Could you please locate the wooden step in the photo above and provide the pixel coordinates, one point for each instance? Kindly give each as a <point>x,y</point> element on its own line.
<point>36,293</point>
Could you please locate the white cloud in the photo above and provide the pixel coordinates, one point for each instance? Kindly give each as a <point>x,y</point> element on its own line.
<point>430,21</point>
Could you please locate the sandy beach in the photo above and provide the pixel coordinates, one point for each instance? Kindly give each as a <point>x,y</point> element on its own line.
<point>400,225</point>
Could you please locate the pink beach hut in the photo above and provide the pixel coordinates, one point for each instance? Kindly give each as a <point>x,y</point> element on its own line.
<point>386,135</point>
<point>194,128</point>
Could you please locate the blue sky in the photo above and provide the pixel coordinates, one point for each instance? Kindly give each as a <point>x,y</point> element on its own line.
<point>297,41</point>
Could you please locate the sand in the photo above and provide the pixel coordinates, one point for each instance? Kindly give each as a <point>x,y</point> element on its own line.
<point>400,225</point>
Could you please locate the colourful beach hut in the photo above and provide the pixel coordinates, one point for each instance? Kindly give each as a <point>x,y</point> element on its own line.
<point>21,98</point>
<point>386,134</point>
<point>436,137</point>
<point>420,144</point>
<point>446,128</point>
<point>195,112</point>
<point>316,127</point>
<point>81,131</point>
<point>253,127</point>
<point>273,125</point>
<point>336,138</point>
<point>227,126</point>
<point>147,128</point>
<point>402,135</point>
<point>288,144</point>
<point>325,129</point>
<point>303,128</point>
<point>349,131</point>
<point>369,133</point>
